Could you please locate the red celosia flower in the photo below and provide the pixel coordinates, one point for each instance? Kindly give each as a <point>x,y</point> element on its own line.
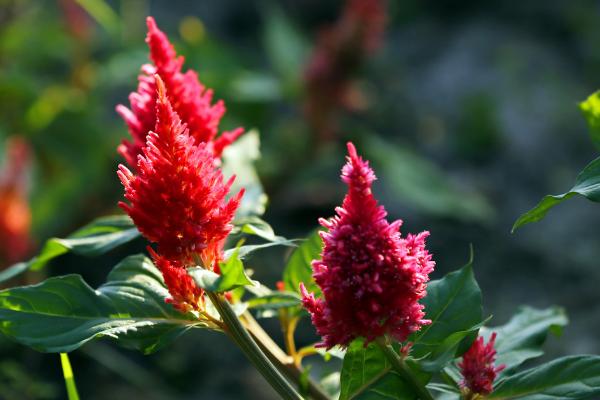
<point>15,216</point>
<point>371,277</point>
<point>477,367</point>
<point>178,197</point>
<point>185,295</point>
<point>189,98</point>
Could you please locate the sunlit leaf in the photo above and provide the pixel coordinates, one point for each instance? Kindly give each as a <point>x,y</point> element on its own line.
<point>231,277</point>
<point>63,313</point>
<point>299,267</point>
<point>591,110</point>
<point>96,238</point>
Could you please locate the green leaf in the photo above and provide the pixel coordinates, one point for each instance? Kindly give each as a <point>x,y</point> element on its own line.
<point>368,375</point>
<point>232,276</point>
<point>253,225</point>
<point>96,238</point>
<point>418,182</point>
<point>285,47</point>
<point>274,301</point>
<point>238,160</point>
<point>522,337</point>
<point>587,185</point>
<point>72,393</point>
<point>453,304</point>
<point>591,110</point>
<point>63,313</point>
<point>568,378</point>
<point>299,266</point>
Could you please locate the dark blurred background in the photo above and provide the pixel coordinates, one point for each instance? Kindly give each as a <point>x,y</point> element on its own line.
<point>467,111</point>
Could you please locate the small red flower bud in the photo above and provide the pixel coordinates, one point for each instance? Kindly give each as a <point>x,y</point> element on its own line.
<point>372,279</point>
<point>477,366</point>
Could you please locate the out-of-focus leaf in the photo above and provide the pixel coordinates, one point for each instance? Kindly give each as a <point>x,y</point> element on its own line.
<point>72,393</point>
<point>274,301</point>
<point>567,378</point>
<point>453,304</point>
<point>587,185</point>
<point>299,269</point>
<point>522,337</point>
<point>285,47</point>
<point>63,313</point>
<point>591,110</point>
<point>368,375</point>
<point>255,87</point>
<point>420,183</point>
<point>102,13</point>
<point>232,275</point>
<point>96,238</point>
<point>238,160</point>
<point>331,384</point>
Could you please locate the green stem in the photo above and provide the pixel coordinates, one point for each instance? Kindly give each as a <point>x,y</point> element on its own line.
<point>242,338</point>
<point>404,370</point>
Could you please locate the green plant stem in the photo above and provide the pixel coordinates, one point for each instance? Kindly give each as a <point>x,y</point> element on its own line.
<point>69,378</point>
<point>242,338</point>
<point>283,361</point>
<point>404,370</point>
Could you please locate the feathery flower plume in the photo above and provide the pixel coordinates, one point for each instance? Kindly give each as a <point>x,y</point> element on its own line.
<point>188,97</point>
<point>15,216</point>
<point>372,279</point>
<point>177,199</point>
<point>477,367</point>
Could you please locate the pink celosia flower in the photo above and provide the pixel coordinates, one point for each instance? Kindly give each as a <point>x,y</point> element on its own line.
<point>372,279</point>
<point>178,198</point>
<point>185,295</point>
<point>477,367</point>
<point>189,98</point>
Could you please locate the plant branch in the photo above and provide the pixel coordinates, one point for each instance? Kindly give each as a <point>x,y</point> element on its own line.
<point>242,338</point>
<point>283,361</point>
<point>404,370</point>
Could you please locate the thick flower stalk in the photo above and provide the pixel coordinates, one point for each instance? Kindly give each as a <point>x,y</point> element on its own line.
<point>477,368</point>
<point>372,279</point>
<point>177,198</point>
<point>189,98</point>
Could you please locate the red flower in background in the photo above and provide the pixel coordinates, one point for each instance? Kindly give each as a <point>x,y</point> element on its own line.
<point>178,197</point>
<point>339,53</point>
<point>15,216</point>
<point>372,279</point>
<point>188,97</point>
<point>477,366</point>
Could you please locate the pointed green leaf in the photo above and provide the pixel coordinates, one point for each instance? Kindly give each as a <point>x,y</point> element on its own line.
<point>591,110</point>
<point>238,160</point>
<point>299,266</point>
<point>368,375</point>
<point>453,304</point>
<point>522,337</point>
<point>568,378</point>
<point>96,238</point>
<point>232,276</point>
<point>63,313</point>
<point>587,185</point>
